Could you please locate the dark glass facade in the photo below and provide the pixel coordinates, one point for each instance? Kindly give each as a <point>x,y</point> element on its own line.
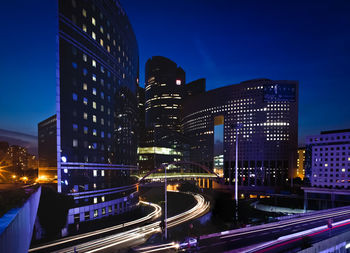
<point>47,139</point>
<point>268,112</point>
<point>164,90</point>
<point>97,79</point>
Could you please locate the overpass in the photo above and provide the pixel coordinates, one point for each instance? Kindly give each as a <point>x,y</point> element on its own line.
<point>16,225</point>
<point>279,236</point>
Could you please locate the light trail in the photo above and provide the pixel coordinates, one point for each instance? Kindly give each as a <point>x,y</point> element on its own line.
<point>200,208</point>
<point>277,225</point>
<point>284,240</point>
<point>153,215</point>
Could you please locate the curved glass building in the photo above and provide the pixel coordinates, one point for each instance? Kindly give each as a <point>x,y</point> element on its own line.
<point>97,79</point>
<point>266,112</point>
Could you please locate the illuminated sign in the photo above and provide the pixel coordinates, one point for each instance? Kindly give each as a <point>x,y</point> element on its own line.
<point>279,92</point>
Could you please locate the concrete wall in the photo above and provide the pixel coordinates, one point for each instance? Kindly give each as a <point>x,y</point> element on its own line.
<point>336,244</point>
<point>16,226</point>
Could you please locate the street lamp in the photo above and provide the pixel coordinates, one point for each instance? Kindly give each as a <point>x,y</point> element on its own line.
<point>236,126</point>
<point>165,206</point>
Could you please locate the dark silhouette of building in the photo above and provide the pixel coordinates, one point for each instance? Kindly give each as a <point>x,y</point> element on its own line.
<point>96,108</point>
<point>194,88</point>
<point>47,149</point>
<point>268,113</point>
<point>141,116</point>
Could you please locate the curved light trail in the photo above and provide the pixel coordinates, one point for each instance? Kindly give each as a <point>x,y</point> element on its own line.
<point>153,215</point>
<point>135,234</point>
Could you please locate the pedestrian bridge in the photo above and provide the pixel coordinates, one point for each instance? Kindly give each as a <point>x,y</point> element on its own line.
<point>179,170</point>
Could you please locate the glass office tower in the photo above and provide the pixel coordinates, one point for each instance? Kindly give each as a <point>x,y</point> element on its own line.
<point>97,79</point>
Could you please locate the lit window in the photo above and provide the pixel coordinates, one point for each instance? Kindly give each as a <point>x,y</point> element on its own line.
<point>94,91</point>
<point>85,101</point>
<point>95,200</point>
<point>94,174</point>
<point>94,77</point>
<point>93,35</point>
<point>95,213</point>
<point>103,211</point>
<point>94,132</point>
<point>85,72</point>
<point>94,118</point>
<point>84,28</point>
<point>94,104</point>
<point>108,49</point>
<point>101,42</point>
<point>94,186</point>
<point>84,86</point>
<point>101,29</point>
<point>75,97</point>
<point>84,12</point>
<point>102,69</point>
<point>178,82</point>
<point>75,127</point>
<point>93,63</point>
<point>75,143</point>
<point>93,21</point>
<point>103,198</point>
<point>85,115</point>
<point>102,108</point>
<point>85,130</point>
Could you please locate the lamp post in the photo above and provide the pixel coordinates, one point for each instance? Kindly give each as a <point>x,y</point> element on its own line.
<point>165,206</point>
<point>236,126</point>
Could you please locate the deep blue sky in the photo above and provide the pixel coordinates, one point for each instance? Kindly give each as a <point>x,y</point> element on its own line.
<point>225,41</point>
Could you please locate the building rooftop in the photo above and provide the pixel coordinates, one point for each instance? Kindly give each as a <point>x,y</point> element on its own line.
<point>336,131</point>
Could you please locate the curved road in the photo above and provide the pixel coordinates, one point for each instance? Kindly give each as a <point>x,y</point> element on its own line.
<point>62,242</point>
<point>138,235</point>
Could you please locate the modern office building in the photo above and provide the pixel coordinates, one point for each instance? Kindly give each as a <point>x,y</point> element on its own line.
<point>301,163</point>
<point>263,112</point>
<point>47,144</point>
<point>328,159</point>
<point>163,93</point>
<point>163,143</point>
<point>141,115</point>
<point>97,80</point>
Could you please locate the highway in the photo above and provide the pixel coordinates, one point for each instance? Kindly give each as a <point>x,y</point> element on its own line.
<point>241,238</point>
<point>68,240</point>
<point>136,236</point>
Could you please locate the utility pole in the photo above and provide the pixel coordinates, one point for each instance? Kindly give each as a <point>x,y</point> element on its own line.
<point>237,126</point>
<point>165,206</point>
<point>236,175</point>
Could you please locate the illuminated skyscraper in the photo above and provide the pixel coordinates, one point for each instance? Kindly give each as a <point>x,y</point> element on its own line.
<point>164,142</point>
<point>97,75</point>
<point>266,109</point>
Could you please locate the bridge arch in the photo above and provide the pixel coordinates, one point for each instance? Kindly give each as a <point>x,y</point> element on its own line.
<point>163,166</point>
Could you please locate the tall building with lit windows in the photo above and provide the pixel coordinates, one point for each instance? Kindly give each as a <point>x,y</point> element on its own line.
<point>266,110</point>
<point>164,88</point>
<point>97,80</point>
<point>327,161</point>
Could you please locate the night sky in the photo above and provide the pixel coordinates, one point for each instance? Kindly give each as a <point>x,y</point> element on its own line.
<point>224,41</point>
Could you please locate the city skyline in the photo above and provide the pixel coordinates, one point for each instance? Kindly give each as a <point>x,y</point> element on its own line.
<point>279,46</point>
